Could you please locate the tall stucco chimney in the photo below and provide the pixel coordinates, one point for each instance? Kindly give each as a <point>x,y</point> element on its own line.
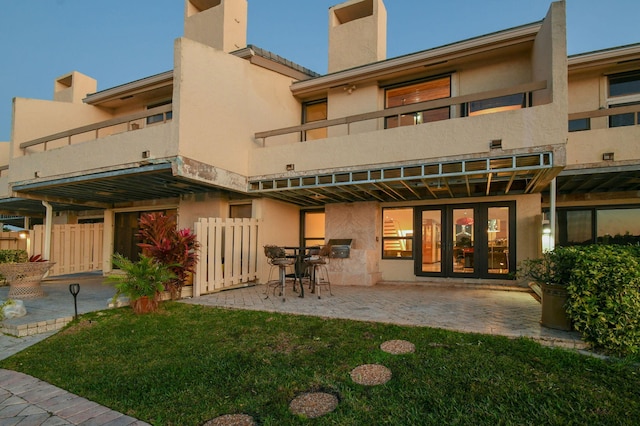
<point>357,34</point>
<point>221,24</point>
<point>73,87</point>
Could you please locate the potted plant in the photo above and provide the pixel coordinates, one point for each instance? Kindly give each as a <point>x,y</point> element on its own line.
<point>23,273</point>
<point>141,281</point>
<point>176,248</point>
<point>552,273</point>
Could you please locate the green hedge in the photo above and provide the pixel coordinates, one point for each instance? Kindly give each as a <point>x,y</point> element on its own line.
<point>604,297</point>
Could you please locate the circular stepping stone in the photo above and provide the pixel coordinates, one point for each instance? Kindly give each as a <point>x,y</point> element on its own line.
<point>398,347</point>
<point>371,374</point>
<point>232,420</point>
<point>313,404</point>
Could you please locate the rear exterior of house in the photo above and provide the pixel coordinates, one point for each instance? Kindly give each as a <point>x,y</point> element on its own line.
<point>441,165</point>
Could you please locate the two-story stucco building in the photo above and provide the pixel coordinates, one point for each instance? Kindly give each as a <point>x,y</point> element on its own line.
<point>439,165</point>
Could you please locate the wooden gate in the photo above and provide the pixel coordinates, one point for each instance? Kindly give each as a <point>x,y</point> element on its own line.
<point>75,248</point>
<point>228,254</point>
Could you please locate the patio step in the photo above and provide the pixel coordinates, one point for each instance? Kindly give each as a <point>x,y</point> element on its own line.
<point>537,291</point>
<point>29,329</point>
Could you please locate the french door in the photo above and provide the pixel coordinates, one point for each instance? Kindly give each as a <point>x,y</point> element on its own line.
<point>466,240</point>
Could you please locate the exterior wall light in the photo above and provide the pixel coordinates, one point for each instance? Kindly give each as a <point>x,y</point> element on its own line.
<point>607,156</point>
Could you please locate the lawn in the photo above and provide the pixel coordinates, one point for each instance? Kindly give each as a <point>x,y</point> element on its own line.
<point>188,364</point>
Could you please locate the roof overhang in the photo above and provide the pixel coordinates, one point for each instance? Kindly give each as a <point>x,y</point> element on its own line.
<point>111,189</point>
<point>424,59</point>
<point>468,177</point>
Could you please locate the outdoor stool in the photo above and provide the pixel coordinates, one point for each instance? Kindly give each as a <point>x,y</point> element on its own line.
<point>316,271</point>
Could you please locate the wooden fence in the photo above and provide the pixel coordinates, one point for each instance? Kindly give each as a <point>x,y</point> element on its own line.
<point>228,254</point>
<point>75,248</point>
<point>12,241</point>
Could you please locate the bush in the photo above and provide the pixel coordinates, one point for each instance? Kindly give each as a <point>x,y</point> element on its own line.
<point>554,267</point>
<point>604,297</point>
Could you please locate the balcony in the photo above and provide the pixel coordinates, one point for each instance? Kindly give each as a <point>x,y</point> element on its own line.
<point>593,142</point>
<point>399,112</point>
<point>123,141</point>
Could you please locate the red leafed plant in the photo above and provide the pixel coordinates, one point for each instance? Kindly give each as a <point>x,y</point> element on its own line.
<point>161,239</point>
<point>37,258</point>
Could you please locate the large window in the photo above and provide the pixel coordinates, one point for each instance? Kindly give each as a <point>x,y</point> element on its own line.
<point>314,111</point>
<point>397,233</point>
<point>605,225</point>
<point>416,92</point>
<point>624,90</point>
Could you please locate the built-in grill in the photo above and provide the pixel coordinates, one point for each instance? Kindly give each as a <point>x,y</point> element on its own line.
<point>340,247</point>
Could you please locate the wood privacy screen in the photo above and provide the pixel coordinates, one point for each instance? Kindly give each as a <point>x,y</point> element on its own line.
<point>75,248</point>
<point>228,254</point>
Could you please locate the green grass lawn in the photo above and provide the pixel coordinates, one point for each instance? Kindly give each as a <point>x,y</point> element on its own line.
<point>188,364</point>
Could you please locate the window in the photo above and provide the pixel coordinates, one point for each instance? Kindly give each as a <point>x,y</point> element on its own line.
<point>314,111</point>
<point>626,119</point>
<point>499,104</point>
<point>579,125</point>
<point>422,91</point>
<point>159,118</point>
<point>397,233</point>
<point>240,211</point>
<point>603,225</point>
<point>624,90</point>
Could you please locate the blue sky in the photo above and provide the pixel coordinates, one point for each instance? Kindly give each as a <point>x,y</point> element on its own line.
<point>118,41</point>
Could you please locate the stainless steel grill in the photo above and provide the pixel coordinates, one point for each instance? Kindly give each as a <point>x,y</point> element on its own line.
<point>340,248</point>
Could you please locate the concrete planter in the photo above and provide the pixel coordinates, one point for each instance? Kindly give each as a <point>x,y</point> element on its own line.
<point>24,278</point>
<point>554,302</point>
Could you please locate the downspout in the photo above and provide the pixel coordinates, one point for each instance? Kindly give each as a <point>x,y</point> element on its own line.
<point>48,227</point>
<point>552,214</point>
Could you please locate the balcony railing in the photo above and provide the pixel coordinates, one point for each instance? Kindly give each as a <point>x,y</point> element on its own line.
<point>581,121</point>
<point>526,89</point>
<point>130,122</point>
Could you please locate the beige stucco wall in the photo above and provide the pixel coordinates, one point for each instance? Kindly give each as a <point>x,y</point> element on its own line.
<point>279,225</point>
<point>360,41</point>
<point>587,147</point>
<point>221,101</point>
<point>51,116</point>
<point>223,26</point>
<point>549,58</point>
<point>527,243</point>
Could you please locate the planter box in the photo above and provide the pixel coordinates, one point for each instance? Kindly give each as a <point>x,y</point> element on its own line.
<point>24,278</point>
<point>554,302</point>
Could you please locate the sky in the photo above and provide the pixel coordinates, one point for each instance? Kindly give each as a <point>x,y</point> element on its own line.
<point>118,41</point>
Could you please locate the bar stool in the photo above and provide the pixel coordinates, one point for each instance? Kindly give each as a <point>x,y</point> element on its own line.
<point>277,258</point>
<point>316,270</point>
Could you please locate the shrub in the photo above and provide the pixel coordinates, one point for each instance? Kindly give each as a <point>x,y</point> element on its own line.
<point>175,248</point>
<point>604,297</point>
<point>554,267</point>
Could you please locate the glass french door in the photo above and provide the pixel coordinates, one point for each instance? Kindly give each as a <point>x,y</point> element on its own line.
<point>465,241</point>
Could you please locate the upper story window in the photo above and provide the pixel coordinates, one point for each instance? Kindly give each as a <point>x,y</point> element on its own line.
<point>416,92</point>
<point>314,111</point>
<point>624,90</point>
<point>499,104</point>
<point>159,118</point>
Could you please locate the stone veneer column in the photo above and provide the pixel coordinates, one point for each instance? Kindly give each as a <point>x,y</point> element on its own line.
<point>361,222</point>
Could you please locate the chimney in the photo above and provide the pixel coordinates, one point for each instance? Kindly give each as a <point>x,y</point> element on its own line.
<point>73,87</point>
<point>221,24</point>
<point>357,34</point>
